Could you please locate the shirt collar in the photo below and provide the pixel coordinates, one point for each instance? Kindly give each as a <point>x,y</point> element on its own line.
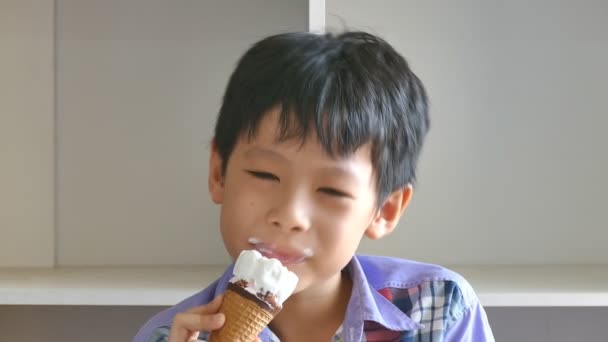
<point>367,304</point>
<point>222,283</point>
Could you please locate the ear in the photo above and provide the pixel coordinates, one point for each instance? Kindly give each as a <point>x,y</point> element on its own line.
<point>390,212</point>
<point>216,177</point>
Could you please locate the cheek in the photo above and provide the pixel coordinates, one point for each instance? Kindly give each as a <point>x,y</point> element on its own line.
<point>341,234</point>
<point>241,196</point>
<point>341,231</point>
<point>342,220</point>
<point>241,213</point>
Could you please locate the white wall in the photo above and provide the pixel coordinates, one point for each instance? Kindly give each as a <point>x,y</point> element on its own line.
<point>513,171</point>
<point>139,85</point>
<point>27,173</point>
<point>515,166</point>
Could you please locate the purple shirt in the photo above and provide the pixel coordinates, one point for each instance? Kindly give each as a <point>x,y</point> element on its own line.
<point>391,300</point>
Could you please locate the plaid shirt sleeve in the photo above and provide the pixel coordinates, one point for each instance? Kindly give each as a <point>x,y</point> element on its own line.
<point>442,309</point>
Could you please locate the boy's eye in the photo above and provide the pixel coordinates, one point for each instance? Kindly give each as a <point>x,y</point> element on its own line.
<point>263,175</point>
<point>334,192</point>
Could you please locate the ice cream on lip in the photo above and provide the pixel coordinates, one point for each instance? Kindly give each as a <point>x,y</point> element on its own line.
<point>265,278</point>
<point>286,256</point>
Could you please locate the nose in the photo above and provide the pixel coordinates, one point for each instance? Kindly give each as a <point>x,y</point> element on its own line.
<point>290,212</point>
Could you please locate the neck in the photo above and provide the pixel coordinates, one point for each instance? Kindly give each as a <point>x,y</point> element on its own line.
<point>319,310</point>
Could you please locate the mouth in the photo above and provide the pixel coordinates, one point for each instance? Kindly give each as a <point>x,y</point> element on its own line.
<point>285,256</point>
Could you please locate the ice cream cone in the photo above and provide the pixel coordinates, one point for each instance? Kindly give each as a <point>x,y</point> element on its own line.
<point>246,317</point>
<point>254,295</point>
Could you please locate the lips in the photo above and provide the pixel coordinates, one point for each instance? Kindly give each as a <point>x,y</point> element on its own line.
<point>284,256</point>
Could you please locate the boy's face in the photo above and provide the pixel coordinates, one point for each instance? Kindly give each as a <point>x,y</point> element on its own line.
<point>289,201</point>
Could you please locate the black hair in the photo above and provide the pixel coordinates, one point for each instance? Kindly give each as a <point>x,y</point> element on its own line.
<point>350,88</point>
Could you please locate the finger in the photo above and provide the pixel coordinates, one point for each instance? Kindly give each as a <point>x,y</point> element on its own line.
<point>185,324</point>
<point>197,322</point>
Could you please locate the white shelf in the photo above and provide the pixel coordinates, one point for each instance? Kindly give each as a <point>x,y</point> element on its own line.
<point>103,285</point>
<point>571,285</point>
<point>520,286</point>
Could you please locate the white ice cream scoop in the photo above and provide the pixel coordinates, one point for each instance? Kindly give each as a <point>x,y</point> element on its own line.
<point>265,275</point>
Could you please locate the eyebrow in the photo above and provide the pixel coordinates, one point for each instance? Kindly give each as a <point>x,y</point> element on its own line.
<point>336,171</point>
<point>341,172</point>
<point>257,152</point>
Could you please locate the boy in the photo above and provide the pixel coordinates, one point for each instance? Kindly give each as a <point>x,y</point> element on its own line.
<point>315,147</point>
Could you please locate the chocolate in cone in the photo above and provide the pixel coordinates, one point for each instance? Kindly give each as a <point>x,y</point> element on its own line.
<point>246,317</point>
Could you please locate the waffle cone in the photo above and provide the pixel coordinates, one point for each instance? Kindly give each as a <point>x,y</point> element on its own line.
<point>245,318</point>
